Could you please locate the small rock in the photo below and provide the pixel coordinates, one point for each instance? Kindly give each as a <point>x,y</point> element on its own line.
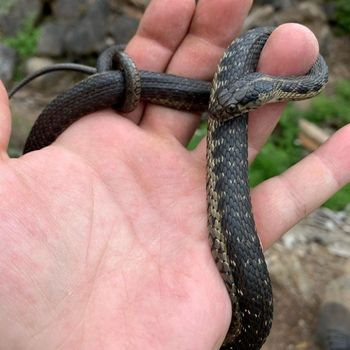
<point>278,4</point>
<point>14,14</point>
<point>307,12</point>
<point>288,272</point>
<point>305,345</point>
<point>340,249</point>
<point>260,16</point>
<point>338,291</point>
<point>88,35</point>
<point>294,237</point>
<point>51,39</point>
<point>34,64</point>
<point>333,326</point>
<point>327,219</point>
<point>312,12</point>
<point>346,228</point>
<point>67,11</point>
<point>115,5</point>
<point>347,209</point>
<point>122,28</point>
<point>347,268</point>
<point>7,63</point>
<point>140,3</point>
<point>85,38</point>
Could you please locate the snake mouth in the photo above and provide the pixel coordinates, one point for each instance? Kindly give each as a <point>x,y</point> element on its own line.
<point>224,113</point>
<point>238,103</point>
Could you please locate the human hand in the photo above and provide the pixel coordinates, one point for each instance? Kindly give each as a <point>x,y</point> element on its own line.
<point>104,233</point>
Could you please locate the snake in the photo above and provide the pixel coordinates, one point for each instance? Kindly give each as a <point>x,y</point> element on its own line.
<point>236,89</point>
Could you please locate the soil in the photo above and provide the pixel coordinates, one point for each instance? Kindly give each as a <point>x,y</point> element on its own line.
<point>295,318</point>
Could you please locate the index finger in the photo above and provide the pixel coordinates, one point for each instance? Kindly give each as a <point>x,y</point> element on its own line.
<point>161,30</point>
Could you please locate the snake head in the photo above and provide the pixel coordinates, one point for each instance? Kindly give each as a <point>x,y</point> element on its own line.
<point>242,96</point>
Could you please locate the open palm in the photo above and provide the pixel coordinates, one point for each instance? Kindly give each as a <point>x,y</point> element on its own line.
<point>103,234</point>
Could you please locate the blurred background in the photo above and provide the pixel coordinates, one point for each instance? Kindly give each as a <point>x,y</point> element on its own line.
<point>37,33</point>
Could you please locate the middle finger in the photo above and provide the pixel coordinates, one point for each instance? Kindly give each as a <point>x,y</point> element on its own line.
<point>214,25</point>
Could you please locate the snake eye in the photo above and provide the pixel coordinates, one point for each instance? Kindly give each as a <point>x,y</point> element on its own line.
<point>232,109</point>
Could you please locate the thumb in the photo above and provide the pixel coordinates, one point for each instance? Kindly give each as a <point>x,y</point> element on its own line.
<point>5,122</point>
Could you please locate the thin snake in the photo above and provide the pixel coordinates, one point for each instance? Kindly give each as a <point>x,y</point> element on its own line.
<point>235,90</point>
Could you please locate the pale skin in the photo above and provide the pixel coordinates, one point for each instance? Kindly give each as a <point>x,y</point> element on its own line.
<point>103,234</point>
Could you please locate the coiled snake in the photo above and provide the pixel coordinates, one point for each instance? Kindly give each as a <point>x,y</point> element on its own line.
<point>236,89</point>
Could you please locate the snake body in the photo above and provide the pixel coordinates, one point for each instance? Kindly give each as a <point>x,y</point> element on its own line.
<point>236,251</point>
<point>236,89</point>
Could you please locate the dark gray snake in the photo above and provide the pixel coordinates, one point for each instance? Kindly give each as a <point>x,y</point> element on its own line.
<point>235,90</point>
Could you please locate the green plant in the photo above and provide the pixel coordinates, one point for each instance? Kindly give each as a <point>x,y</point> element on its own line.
<point>332,111</point>
<point>198,136</point>
<point>281,151</point>
<point>340,200</point>
<point>25,41</point>
<point>6,6</point>
<point>341,16</point>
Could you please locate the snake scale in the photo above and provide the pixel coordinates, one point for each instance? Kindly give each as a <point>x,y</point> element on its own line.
<point>236,89</point>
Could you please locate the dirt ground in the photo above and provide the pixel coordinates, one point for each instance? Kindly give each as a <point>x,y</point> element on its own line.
<point>295,317</point>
